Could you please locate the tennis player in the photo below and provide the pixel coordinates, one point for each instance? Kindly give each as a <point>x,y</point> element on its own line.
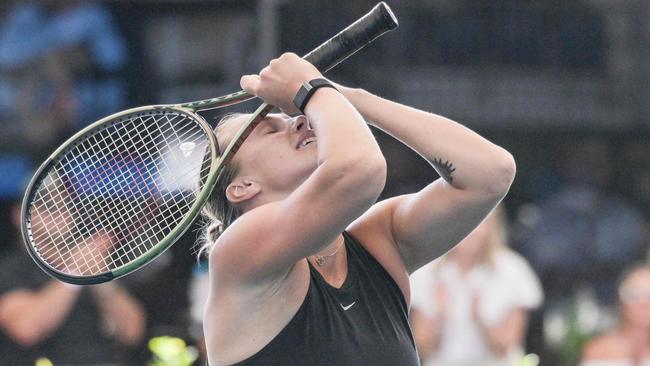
<point>309,269</point>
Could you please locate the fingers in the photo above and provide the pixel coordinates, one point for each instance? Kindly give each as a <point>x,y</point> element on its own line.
<point>250,84</point>
<point>279,81</point>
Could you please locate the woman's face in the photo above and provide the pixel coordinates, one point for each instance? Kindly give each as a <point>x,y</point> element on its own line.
<point>634,295</point>
<point>278,155</point>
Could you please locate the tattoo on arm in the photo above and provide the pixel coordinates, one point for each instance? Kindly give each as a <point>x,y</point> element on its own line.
<point>444,168</point>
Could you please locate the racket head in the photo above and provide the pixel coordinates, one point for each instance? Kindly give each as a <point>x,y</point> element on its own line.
<point>118,193</point>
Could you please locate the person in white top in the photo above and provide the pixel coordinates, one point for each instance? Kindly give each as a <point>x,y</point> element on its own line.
<point>471,306</point>
<point>629,343</point>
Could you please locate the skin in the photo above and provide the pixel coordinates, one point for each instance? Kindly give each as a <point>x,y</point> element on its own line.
<point>259,273</point>
<point>630,340</point>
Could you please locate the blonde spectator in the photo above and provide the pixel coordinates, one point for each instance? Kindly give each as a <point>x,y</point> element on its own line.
<point>471,306</point>
<point>629,343</point>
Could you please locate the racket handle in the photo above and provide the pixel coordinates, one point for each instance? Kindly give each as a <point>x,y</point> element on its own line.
<point>353,38</point>
<point>329,54</point>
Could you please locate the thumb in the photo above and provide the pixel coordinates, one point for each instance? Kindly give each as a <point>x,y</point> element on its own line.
<point>250,83</point>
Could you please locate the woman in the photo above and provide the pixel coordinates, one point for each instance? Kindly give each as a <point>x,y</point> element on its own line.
<point>471,307</point>
<point>629,343</point>
<point>309,271</point>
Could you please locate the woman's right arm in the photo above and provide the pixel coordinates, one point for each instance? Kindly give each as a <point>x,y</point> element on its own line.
<point>349,176</point>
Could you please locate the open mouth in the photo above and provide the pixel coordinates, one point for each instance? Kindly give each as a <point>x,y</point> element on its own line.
<point>306,142</point>
<point>305,139</point>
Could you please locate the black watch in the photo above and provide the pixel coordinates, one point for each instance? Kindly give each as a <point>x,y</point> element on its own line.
<point>308,89</point>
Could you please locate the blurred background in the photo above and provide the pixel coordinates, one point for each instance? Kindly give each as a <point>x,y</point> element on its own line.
<point>563,85</point>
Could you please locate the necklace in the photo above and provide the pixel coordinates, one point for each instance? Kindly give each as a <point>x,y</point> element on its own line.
<point>320,259</point>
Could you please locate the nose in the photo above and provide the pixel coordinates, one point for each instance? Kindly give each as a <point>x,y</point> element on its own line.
<point>300,123</point>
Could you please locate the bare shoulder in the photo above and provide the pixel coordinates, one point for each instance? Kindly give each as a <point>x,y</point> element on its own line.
<point>608,345</point>
<point>238,255</point>
<point>373,231</point>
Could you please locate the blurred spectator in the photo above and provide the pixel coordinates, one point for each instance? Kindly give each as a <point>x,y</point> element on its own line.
<point>60,64</point>
<point>71,325</point>
<point>583,231</point>
<point>629,343</point>
<point>471,306</point>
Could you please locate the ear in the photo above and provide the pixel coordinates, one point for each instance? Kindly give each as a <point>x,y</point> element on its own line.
<point>240,191</point>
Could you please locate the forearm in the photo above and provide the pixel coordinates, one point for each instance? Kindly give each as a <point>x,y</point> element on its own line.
<point>503,337</point>
<point>462,157</point>
<point>29,317</point>
<point>341,131</point>
<point>121,312</point>
<point>495,341</point>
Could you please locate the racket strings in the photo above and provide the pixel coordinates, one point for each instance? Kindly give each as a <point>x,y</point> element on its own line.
<point>118,208</point>
<point>116,194</point>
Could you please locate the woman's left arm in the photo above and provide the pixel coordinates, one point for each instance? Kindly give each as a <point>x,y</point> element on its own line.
<point>476,174</point>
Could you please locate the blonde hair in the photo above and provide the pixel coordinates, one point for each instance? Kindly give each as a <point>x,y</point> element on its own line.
<point>218,212</point>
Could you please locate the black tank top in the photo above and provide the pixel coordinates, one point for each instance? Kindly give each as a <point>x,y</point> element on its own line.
<point>365,322</point>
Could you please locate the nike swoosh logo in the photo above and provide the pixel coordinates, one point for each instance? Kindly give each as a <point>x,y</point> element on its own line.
<point>345,308</point>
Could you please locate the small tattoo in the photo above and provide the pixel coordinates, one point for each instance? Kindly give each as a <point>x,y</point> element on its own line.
<point>444,168</point>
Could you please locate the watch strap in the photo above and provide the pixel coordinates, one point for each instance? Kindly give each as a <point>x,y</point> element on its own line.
<point>307,90</point>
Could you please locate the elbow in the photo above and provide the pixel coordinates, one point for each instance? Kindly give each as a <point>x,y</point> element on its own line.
<point>377,174</point>
<point>370,172</point>
<point>502,175</point>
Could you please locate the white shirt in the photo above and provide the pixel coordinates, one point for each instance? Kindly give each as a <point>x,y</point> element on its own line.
<point>509,284</point>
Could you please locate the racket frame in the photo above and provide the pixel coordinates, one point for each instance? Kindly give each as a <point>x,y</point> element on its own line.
<point>159,247</point>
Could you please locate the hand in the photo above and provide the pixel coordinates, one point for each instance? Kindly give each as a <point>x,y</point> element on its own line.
<point>278,83</point>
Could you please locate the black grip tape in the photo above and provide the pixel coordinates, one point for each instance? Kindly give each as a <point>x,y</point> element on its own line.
<point>353,38</point>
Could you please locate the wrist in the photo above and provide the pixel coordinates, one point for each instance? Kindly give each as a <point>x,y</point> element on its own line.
<point>307,90</point>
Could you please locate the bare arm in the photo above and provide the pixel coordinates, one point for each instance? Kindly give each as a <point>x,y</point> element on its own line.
<point>476,175</point>
<point>122,313</point>
<point>349,175</point>
<point>30,316</point>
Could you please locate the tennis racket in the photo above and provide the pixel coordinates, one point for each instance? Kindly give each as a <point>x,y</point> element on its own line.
<point>121,191</point>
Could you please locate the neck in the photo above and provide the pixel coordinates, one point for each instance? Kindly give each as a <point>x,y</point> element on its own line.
<point>327,256</point>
